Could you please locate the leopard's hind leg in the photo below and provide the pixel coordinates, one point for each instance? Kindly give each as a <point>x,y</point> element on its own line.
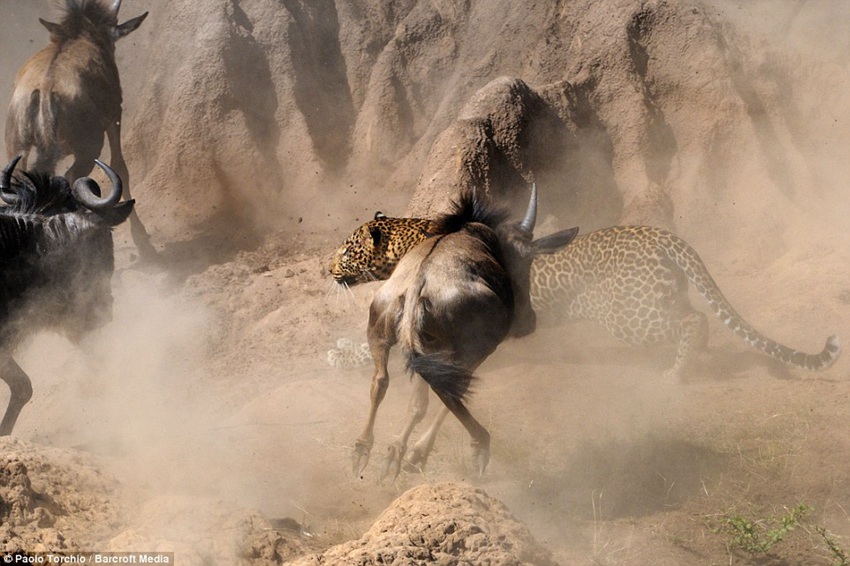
<point>693,338</point>
<point>674,319</point>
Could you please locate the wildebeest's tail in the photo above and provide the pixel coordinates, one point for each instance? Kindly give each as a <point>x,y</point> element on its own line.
<point>42,111</point>
<point>444,377</point>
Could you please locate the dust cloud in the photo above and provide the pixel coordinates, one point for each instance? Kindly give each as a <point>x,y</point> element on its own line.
<point>209,394</point>
<point>133,389</point>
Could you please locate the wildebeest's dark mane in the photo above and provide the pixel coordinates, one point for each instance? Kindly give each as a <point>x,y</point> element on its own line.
<point>41,193</point>
<point>82,15</point>
<point>469,207</point>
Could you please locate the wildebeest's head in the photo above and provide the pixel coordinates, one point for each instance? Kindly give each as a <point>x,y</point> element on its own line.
<point>520,249</point>
<point>57,252</point>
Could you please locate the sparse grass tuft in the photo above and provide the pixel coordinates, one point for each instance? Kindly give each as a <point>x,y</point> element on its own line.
<point>758,536</point>
<point>838,553</point>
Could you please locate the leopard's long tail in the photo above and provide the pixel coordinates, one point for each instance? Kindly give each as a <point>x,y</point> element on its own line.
<point>686,258</point>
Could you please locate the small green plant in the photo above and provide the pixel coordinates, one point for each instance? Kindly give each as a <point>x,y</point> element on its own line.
<point>759,536</point>
<point>838,553</point>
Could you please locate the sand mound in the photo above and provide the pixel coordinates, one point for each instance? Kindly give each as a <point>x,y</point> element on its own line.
<point>61,500</point>
<point>55,500</point>
<point>52,499</point>
<point>442,524</point>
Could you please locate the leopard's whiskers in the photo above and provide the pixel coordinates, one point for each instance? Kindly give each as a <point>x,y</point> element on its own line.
<point>350,292</point>
<point>331,288</point>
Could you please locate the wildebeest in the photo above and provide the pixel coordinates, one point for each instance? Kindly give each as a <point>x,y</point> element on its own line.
<point>69,93</point>
<point>56,264</point>
<point>450,302</point>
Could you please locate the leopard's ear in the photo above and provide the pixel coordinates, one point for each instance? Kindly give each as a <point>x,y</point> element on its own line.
<point>375,232</point>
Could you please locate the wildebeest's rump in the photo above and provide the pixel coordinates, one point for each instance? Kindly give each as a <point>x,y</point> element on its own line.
<point>451,301</point>
<point>68,94</point>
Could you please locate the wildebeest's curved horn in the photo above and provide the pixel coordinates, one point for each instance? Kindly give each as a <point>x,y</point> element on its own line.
<point>527,224</point>
<point>87,197</point>
<point>116,6</point>
<point>6,193</point>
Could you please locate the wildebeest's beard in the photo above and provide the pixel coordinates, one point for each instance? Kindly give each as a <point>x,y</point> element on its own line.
<point>84,275</point>
<point>60,279</point>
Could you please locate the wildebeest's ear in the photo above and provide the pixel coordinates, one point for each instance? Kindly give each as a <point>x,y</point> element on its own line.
<point>50,26</point>
<point>554,242</point>
<point>130,25</point>
<point>117,214</point>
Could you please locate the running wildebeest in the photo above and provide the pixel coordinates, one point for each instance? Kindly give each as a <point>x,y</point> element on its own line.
<point>451,301</point>
<point>56,264</point>
<point>68,95</point>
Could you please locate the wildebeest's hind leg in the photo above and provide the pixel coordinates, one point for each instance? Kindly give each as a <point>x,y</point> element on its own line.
<point>20,132</point>
<point>381,335</point>
<point>480,437</point>
<point>21,389</point>
<point>85,152</point>
<point>451,382</point>
<point>140,235</point>
<point>416,410</point>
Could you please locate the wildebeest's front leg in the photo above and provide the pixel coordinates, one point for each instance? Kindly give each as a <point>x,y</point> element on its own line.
<point>21,389</point>
<point>417,457</point>
<point>382,336</point>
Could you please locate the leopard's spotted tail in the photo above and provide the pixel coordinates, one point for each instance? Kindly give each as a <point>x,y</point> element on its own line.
<point>687,259</point>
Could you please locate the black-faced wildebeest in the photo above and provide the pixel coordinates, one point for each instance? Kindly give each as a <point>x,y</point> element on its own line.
<point>69,93</point>
<point>56,264</point>
<point>451,301</point>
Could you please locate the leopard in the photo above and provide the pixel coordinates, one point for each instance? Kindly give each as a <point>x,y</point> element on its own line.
<point>372,252</point>
<point>633,280</point>
<point>349,355</point>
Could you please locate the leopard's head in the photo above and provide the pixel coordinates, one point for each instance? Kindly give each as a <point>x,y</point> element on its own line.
<point>372,252</point>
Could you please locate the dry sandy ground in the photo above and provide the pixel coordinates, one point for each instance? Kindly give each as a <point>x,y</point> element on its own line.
<point>206,421</point>
<point>217,397</point>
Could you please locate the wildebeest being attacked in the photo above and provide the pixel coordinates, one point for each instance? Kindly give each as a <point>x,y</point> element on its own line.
<point>68,95</point>
<point>56,264</point>
<point>451,301</point>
